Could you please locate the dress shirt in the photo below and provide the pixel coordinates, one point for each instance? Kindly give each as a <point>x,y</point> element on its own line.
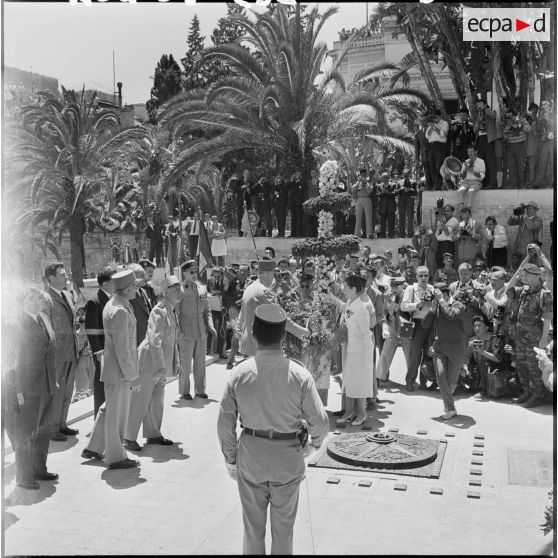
<point>412,296</point>
<point>478,166</point>
<point>499,235</point>
<point>269,392</point>
<point>434,135</point>
<point>451,224</point>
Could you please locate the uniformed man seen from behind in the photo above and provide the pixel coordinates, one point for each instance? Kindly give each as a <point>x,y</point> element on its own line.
<point>195,321</point>
<point>273,396</point>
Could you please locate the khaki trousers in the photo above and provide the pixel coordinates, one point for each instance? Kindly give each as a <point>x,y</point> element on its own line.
<point>110,424</point>
<point>192,350</point>
<point>65,376</point>
<point>363,205</point>
<point>269,473</point>
<point>146,406</point>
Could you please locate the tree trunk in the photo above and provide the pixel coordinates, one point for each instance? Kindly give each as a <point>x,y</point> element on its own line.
<point>523,75</point>
<point>411,31</point>
<point>76,250</point>
<point>496,64</point>
<point>530,74</point>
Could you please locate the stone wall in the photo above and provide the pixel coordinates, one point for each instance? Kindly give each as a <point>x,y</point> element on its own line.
<point>499,204</point>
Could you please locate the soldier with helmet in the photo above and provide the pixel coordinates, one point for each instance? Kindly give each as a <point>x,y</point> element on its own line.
<point>274,397</point>
<point>534,316</point>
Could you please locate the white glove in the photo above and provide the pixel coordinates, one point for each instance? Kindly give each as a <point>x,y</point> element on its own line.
<point>385,333</point>
<point>232,470</point>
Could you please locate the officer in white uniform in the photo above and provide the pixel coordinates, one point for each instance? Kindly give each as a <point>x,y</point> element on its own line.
<point>273,396</point>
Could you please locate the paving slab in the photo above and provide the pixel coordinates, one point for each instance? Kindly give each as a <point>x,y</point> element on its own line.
<point>196,506</point>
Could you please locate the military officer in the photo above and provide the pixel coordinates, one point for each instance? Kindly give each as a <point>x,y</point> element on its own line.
<point>157,359</point>
<point>273,396</point>
<point>534,316</point>
<point>194,317</point>
<point>119,373</point>
<point>259,292</point>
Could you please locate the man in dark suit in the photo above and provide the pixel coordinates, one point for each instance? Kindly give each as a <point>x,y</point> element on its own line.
<point>141,304</point>
<point>35,386</point>
<point>149,269</point>
<point>296,199</point>
<point>154,233</point>
<point>62,317</point>
<point>95,332</point>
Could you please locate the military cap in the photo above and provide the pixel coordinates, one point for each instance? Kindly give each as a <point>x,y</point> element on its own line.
<point>532,204</point>
<point>413,253</point>
<point>217,269</point>
<point>498,274</point>
<point>269,322</point>
<point>480,263</point>
<point>497,268</point>
<point>528,268</point>
<point>355,256</point>
<point>267,265</point>
<point>124,279</point>
<point>380,259</point>
<point>188,265</point>
<point>283,260</point>
<point>235,264</point>
<point>385,174</point>
<point>481,318</point>
<point>146,263</point>
<point>388,252</point>
<point>448,255</point>
<point>397,280</point>
<point>169,281</point>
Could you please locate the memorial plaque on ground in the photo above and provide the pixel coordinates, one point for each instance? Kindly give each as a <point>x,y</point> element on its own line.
<point>383,452</point>
<point>530,468</point>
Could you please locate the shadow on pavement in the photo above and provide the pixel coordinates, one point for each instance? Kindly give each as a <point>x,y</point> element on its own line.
<point>162,454</point>
<point>460,421</point>
<point>55,447</point>
<point>196,403</point>
<point>121,479</point>
<point>23,497</point>
<point>9,519</point>
<point>9,473</point>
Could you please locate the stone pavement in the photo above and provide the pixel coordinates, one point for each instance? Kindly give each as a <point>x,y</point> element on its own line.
<point>181,501</point>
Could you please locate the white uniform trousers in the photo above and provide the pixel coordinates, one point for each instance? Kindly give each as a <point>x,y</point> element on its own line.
<point>147,406</point>
<point>363,205</point>
<point>192,350</point>
<point>110,424</point>
<point>269,473</point>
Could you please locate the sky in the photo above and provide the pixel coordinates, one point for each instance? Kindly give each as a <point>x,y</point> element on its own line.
<point>75,43</point>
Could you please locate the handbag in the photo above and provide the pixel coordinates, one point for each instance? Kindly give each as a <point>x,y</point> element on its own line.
<point>497,382</point>
<point>406,324</point>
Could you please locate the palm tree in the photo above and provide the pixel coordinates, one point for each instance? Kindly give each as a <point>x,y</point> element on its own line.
<point>62,156</point>
<point>279,98</point>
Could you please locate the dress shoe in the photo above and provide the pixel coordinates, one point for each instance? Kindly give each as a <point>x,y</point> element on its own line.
<point>161,441</point>
<point>409,386</point>
<point>230,366</point>
<point>187,396</point>
<point>58,437</point>
<point>47,476</point>
<point>223,357</point>
<point>124,464</point>
<point>202,395</point>
<point>360,422</point>
<point>132,445</point>
<point>523,398</point>
<point>449,415</point>
<point>532,402</point>
<point>88,454</point>
<point>344,419</point>
<point>432,387</point>
<point>31,485</point>
<point>69,431</point>
<point>339,413</point>
<point>422,387</point>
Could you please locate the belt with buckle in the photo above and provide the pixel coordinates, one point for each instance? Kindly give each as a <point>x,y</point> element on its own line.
<point>271,434</point>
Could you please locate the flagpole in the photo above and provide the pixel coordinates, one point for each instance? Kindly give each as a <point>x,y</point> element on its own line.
<point>251,232</point>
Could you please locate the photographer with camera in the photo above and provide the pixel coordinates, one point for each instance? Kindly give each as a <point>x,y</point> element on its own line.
<point>494,244</point>
<point>472,176</point>
<point>489,143</point>
<point>466,290</point>
<point>534,317</point>
<point>446,226</point>
<point>406,204</point>
<point>437,135</point>
<point>515,136</point>
<point>362,190</point>
<point>446,274</point>
<point>461,134</point>
<point>495,303</point>
<point>386,206</point>
<point>425,243</point>
<point>417,303</point>
<point>530,229</point>
<point>469,235</point>
<point>545,176</point>
<point>421,152</point>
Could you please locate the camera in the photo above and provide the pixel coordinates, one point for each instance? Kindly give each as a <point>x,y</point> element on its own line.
<point>428,297</point>
<point>402,251</point>
<point>500,314</point>
<point>531,249</point>
<point>519,210</point>
<point>439,206</point>
<point>464,233</point>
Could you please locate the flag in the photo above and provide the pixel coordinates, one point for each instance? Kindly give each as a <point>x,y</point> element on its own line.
<point>204,250</point>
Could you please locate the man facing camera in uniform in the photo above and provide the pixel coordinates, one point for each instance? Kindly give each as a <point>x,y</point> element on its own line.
<point>119,372</point>
<point>273,396</point>
<point>195,321</point>
<point>259,292</point>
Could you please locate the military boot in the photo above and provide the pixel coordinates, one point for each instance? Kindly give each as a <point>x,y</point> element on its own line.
<point>523,398</point>
<point>532,402</point>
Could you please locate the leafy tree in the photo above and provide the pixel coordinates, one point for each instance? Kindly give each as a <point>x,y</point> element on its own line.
<point>62,157</point>
<point>195,74</point>
<point>166,84</point>
<point>281,101</point>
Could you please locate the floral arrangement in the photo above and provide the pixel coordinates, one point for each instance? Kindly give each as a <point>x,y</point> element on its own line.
<point>335,246</point>
<point>333,202</point>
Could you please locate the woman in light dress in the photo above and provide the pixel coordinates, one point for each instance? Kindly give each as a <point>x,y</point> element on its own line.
<point>358,361</point>
<point>218,242</point>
